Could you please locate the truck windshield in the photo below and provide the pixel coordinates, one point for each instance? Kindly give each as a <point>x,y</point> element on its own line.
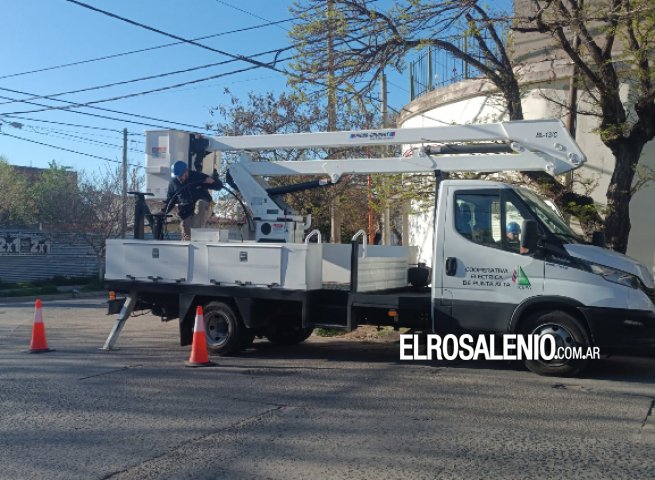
<point>547,215</point>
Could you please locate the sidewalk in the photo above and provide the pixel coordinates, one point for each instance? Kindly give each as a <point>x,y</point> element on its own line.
<point>55,296</point>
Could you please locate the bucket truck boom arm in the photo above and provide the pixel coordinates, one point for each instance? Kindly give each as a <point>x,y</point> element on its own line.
<point>525,145</point>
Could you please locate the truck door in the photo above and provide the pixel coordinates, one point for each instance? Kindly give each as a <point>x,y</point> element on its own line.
<point>485,273</point>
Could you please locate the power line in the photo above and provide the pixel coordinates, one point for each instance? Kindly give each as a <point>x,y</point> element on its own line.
<point>150,77</point>
<point>216,85</point>
<point>249,13</point>
<point>176,37</point>
<point>66,149</point>
<point>77,125</point>
<point>72,105</point>
<point>79,139</point>
<point>54,130</point>
<point>390,83</point>
<point>72,111</point>
<point>234,58</point>
<point>132,52</point>
<point>48,107</point>
<point>200,45</point>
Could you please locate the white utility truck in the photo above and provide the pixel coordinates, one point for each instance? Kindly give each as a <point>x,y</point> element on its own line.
<point>280,281</point>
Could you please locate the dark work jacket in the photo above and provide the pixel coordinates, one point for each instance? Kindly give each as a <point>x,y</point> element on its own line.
<point>186,194</point>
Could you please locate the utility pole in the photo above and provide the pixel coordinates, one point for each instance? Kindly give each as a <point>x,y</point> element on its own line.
<point>331,94</point>
<point>386,230</point>
<point>572,103</point>
<point>335,218</point>
<point>383,95</point>
<point>124,190</point>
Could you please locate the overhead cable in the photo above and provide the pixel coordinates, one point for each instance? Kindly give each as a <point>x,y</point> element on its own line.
<point>66,149</point>
<point>132,52</point>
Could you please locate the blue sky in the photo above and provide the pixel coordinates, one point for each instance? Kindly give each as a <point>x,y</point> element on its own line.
<point>44,33</point>
<point>38,34</point>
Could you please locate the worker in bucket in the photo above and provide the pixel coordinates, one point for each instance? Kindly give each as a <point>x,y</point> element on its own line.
<point>189,190</point>
<point>513,235</point>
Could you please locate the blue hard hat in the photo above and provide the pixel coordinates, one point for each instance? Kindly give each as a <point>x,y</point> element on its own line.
<point>179,168</point>
<point>513,227</point>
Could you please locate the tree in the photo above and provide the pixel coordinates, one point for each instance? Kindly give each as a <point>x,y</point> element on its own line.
<point>367,40</point>
<point>56,198</point>
<point>16,206</point>
<point>298,113</point>
<point>101,206</point>
<point>88,206</point>
<point>615,54</point>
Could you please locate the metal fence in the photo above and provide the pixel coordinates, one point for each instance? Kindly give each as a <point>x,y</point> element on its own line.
<point>27,254</point>
<point>437,68</point>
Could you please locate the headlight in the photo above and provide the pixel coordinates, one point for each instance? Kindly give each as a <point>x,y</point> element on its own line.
<point>616,276</point>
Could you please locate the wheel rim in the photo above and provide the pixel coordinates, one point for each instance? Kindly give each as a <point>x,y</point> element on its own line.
<point>217,329</point>
<point>563,338</point>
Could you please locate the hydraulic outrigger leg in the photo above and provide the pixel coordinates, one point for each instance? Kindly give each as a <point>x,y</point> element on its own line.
<point>123,315</point>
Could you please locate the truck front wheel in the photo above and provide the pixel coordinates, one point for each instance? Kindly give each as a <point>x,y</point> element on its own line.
<point>567,332</point>
<point>226,334</point>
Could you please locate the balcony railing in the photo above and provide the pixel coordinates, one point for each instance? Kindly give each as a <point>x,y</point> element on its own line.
<point>437,68</point>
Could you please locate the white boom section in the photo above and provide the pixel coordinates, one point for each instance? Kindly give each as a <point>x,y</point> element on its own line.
<point>540,145</point>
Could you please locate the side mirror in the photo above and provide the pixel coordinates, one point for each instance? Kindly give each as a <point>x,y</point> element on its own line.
<point>598,239</point>
<point>529,235</point>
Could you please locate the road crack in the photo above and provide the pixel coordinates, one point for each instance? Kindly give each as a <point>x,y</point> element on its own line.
<point>649,413</point>
<point>183,448</point>
<point>122,369</point>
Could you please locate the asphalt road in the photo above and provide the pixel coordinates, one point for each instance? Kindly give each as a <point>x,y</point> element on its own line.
<point>325,409</point>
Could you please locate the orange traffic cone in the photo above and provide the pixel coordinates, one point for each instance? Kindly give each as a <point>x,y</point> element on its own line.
<point>199,356</point>
<point>38,343</point>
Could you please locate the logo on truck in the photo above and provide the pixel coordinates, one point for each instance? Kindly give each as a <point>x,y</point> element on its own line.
<point>519,277</point>
<point>158,151</point>
<point>372,135</point>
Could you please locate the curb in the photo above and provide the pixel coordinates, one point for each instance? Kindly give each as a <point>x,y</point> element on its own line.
<point>56,296</point>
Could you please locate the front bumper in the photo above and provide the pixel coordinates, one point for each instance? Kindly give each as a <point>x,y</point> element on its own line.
<point>622,331</point>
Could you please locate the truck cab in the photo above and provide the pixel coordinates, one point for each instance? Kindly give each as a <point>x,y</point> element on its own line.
<point>486,280</point>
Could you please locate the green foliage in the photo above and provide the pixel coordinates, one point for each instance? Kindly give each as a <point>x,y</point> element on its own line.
<point>16,206</point>
<point>48,286</point>
<point>328,332</point>
<point>29,291</point>
<point>56,197</point>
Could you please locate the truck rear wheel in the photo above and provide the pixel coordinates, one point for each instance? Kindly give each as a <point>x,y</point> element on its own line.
<point>226,334</point>
<point>567,331</point>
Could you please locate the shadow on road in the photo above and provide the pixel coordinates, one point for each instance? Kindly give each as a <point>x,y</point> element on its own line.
<point>619,368</point>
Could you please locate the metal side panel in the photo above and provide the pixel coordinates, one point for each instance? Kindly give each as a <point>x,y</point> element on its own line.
<point>236,264</point>
<point>148,260</point>
<point>379,273</point>
<point>336,259</point>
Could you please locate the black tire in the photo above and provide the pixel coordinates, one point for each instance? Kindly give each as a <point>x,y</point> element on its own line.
<point>286,335</point>
<point>224,330</point>
<point>568,332</point>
